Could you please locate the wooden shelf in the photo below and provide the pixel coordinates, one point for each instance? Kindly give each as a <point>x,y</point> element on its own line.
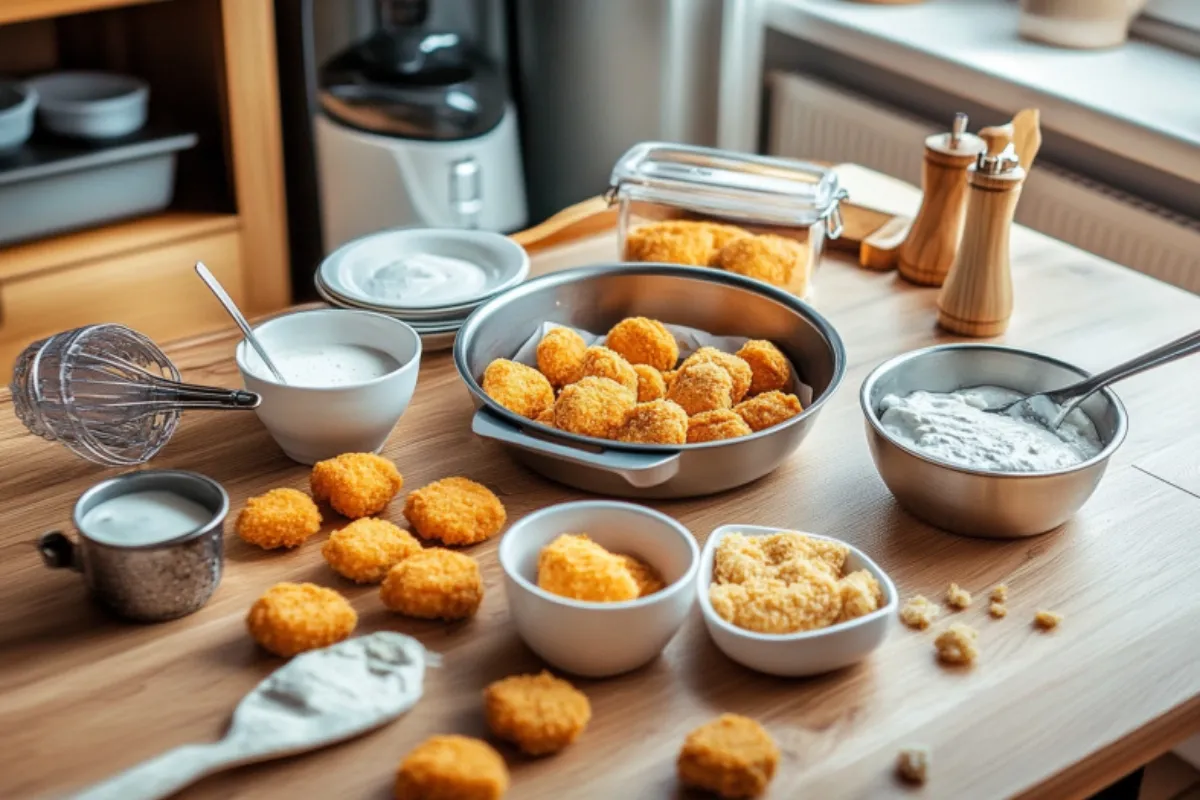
<point>25,10</point>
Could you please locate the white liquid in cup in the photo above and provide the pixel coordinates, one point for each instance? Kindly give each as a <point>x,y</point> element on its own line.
<point>326,365</point>
<point>141,518</point>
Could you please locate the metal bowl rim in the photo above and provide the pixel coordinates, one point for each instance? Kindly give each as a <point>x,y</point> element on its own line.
<point>217,523</point>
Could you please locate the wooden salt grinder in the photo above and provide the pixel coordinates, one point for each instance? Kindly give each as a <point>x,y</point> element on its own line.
<point>977,299</point>
<point>929,249</point>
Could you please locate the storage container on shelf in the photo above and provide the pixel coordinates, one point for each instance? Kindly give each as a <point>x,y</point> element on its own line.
<point>654,182</point>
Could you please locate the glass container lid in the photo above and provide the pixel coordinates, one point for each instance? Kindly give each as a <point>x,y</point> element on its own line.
<point>721,183</point>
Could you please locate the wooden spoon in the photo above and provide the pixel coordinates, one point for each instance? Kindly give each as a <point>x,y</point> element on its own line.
<point>587,218</point>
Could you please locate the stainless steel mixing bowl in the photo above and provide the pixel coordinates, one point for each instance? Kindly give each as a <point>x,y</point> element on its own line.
<point>594,299</point>
<point>975,502</point>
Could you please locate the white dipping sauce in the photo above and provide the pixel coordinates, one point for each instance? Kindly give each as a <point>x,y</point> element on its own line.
<point>140,518</point>
<point>424,279</point>
<point>327,365</point>
<point>954,428</point>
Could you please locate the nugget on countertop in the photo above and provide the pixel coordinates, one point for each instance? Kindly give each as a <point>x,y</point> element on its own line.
<point>291,618</point>
<point>541,714</point>
<point>957,645</point>
<point>593,407</point>
<point>455,511</point>
<point>279,518</point>
<point>731,756</point>
<point>1047,620</point>
<point>645,576</point>
<point>739,371</point>
<point>434,584</point>
<point>452,768</point>
<point>919,613</point>
<point>701,387</point>
<point>576,567</point>
<point>356,484</point>
<point>768,409</point>
<point>670,243</point>
<point>640,340</point>
<point>651,384</point>
<point>861,595</point>
<point>912,764</point>
<point>656,422</point>
<point>601,362</point>
<point>769,605</point>
<point>769,368</point>
<point>999,593</point>
<point>772,259</point>
<point>957,597</point>
<point>560,356</point>
<point>712,426</point>
<point>367,548</point>
<point>998,610</point>
<point>519,388</point>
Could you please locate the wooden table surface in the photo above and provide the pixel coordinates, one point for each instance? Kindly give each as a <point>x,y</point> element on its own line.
<point>1051,715</point>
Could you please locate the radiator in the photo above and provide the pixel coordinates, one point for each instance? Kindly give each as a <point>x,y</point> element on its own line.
<point>811,119</point>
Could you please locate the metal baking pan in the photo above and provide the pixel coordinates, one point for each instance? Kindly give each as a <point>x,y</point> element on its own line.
<point>53,185</point>
<point>595,298</point>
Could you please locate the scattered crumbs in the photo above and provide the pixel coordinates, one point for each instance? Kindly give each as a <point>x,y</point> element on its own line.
<point>956,645</point>
<point>1047,620</point>
<point>1000,594</point>
<point>998,610</point>
<point>919,613</point>
<point>912,764</point>
<point>957,597</point>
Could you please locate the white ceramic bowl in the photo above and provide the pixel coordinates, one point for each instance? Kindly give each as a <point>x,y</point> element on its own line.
<point>597,640</point>
<point>315,423</point>
<point>92,105</point>
<point>793,655</point>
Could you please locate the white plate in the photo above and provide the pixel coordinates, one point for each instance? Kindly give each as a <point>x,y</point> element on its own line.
<point>432,339</point>
<point>459,312</point>
<point>350,271</point>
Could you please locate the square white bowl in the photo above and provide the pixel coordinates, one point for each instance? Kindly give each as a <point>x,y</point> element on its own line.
<point>794,655</point>
<point>597,640</point>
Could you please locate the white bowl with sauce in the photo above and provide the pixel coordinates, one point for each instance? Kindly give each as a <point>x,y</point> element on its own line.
<point>351,375</point>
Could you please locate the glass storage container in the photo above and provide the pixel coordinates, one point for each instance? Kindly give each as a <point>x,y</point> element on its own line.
<point>695,205</point>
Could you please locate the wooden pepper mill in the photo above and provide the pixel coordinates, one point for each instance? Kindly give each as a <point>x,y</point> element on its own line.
<point>977,298</point>
<point>932,242</point>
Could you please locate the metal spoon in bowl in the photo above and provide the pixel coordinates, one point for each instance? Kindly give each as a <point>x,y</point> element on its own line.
<point>1051,408</point>
<point>232,310</point>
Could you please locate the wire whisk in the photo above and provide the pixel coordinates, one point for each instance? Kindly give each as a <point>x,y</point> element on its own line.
<point>108,394</point>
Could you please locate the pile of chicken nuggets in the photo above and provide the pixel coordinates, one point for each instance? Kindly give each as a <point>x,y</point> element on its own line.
<point>634,389</point>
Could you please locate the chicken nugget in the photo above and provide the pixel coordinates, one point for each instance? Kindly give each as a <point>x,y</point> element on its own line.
<point>651,385</point>
<point>291,618</point>
<point>646,576</point>
<point>434,584</point>
<point>576,567</point>
<point>731,756</point>
<point>560,356</point>
<point>701,387</point>
<point>279,518</point>
<point>769,605</point>
<point>593,407</point>
<point>367,548</point>
<point>713,426</point>
<point>771,259</point>
<point>668,243</point>
<point>656,422</point>
<point>541,714</point>
<point>669,377</point>
<point>722,234</point>
<point>452,768</point>
<point>546,417</point>
<point>601,362</point>
<point>640,340</point>
<point>768,409</point>
<point>739,371</point>
<point>861,595</point>
<point>456,511</point>
<point>521,389</point>
<point>356,484</point>
<point>769,368</point>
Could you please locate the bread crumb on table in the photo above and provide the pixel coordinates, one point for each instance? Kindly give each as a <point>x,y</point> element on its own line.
<point>912,764</point>
<point>918,613</point>
<point>1000,593</point>
<point>998,610</point>
<point>1047,620</point>
<point>957,597</point>
<point>957,645</point>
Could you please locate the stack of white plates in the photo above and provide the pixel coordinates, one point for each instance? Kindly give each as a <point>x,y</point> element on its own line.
<point>430,278</point>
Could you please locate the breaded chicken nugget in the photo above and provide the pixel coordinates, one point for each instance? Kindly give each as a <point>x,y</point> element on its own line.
<point>669,243</point>
<point>731,756</point>
<point>600,362</point>
<point>646,576</point>
<point>643,341</point>
<point>434,584</point>
<point>593,407</point>
<point>291,618</point>
<point>769,605</point>
<point>452,768</point>
<point>861,594</point>
<point>455,511</point>
<point>701,387</point>
<point>656,422</point>
<point>769,368</point>
<point>367,548</point>
<point>723,235</point>
<point>739,371</point>
<point>540,713</point>
<point>768,409</point>
<point>651,385</point>
<point>521,389</point>
<point>279,518</point>
<point>546,417</point>
<point>576,567</point>
<point>772,259</point>
<point>560,356</point>
<point>712,426</point>
<point>356,484</point>
<point>669,376</point>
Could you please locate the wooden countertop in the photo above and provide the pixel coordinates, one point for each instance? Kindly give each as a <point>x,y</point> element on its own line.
<point>1050,715</point>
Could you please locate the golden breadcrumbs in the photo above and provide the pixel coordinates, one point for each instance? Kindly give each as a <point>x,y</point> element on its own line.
<point>367,548</point>
<point>998,610</point>
<point>576,567</point>
<point>861,595</point>
<point>541,714</point>
<point>1000,594</point>
<point>919,613</point>
<point>645,576</point>
<point>452,768</point>
<point>912,764</point>
<point>434,584</point>
<point>291,618</point>
<point>957,645</point>
<point>957,597</point>
<point>279,518</point>
<point>1047,620</point>
<point>732,756</point>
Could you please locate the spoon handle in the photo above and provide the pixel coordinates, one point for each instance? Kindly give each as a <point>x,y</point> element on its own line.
<point>231,309</point>
<point>164,775</point>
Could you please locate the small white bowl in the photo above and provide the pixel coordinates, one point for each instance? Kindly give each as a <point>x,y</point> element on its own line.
<point>794,655</point>
<point>597,640</point>
<point>92,105</point>
<point>314,423</point>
